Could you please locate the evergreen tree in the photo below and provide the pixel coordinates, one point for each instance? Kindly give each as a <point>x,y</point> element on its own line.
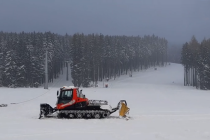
<point>10,71</point>
<point>196,58</point>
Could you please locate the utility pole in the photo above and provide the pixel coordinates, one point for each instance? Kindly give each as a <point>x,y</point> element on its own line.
<point>67,74</point>
<point>46,72</point>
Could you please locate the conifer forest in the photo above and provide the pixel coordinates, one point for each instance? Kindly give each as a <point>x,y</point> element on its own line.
<point>196,61</point>
<point>91,57</point>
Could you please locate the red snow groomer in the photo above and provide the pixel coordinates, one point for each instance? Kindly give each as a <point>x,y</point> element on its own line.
<point>71,103</point>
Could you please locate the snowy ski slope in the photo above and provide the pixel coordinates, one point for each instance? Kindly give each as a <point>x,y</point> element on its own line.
<point>160,106</point>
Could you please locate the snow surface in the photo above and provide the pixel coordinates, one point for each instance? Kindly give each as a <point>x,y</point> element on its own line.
<point>161,108</point>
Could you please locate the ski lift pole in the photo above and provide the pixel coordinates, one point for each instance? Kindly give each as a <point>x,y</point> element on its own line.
<point>46,72</point>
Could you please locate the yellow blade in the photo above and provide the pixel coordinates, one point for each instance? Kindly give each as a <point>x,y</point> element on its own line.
<point>124,110</point>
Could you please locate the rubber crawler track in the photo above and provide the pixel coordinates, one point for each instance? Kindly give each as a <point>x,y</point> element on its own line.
<point>87,114</point>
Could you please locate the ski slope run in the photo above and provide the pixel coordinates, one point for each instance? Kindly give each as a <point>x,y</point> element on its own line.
<point>160,106</point>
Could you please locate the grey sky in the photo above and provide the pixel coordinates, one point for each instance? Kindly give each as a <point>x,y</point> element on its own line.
<point>176,20</point>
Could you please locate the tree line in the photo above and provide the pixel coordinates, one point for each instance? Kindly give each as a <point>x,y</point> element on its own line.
<point>196,61</point>
<point>92,57</point>
<point>95,56</point>
<point>22,58</point>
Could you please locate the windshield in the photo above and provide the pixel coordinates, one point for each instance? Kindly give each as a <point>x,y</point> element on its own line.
<point>66,94</point>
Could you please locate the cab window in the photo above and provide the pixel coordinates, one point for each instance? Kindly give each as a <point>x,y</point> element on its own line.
<point>66,94</point>
<point>78,93</point>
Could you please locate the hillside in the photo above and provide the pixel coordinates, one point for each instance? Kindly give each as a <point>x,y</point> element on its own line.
<point>161,108</point>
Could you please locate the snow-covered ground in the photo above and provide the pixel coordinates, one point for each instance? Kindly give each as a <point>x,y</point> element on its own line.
<point>160,106</point>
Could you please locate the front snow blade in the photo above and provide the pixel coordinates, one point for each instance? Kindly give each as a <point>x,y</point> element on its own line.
<point>45,110</point>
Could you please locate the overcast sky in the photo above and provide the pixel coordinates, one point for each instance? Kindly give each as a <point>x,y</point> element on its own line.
<point>176,20</point>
